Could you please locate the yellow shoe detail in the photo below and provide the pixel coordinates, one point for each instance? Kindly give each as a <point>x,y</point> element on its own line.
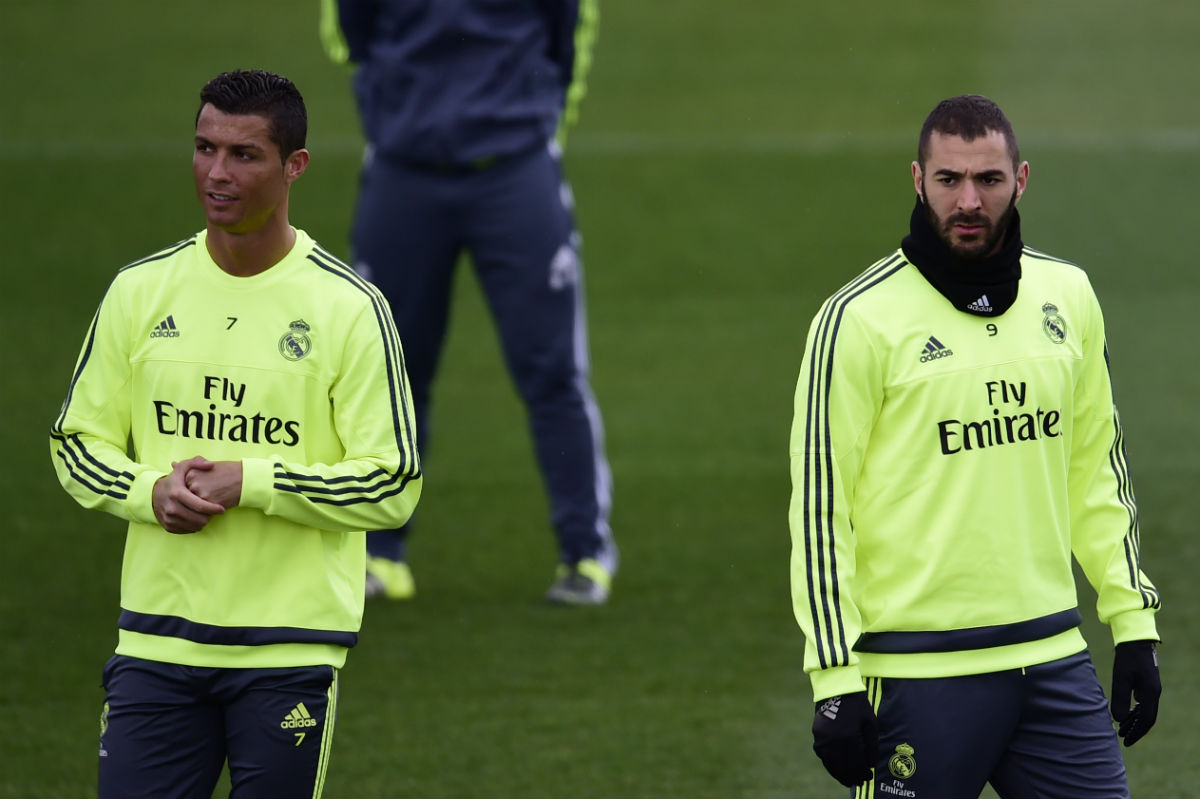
<point>594,571</point>
<point>584,583</point>
<point>391,579</point>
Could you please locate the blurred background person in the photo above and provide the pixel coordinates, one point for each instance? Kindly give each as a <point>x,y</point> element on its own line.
<point>463,105</point>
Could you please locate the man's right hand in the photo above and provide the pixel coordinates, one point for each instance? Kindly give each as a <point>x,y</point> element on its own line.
<point>177,508</point>
<point>846,737</point>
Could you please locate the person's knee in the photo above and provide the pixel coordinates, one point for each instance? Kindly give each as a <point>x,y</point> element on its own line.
<point>550,388</point>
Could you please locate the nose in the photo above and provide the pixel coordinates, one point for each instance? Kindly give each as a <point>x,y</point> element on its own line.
<point>968,198</point>
<point>217,171</point>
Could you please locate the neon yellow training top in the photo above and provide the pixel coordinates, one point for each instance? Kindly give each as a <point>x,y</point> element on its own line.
<point>298,373</point>
<point>945,468</point>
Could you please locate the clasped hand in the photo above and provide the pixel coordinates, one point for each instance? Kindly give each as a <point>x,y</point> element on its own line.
<point>196,490</point>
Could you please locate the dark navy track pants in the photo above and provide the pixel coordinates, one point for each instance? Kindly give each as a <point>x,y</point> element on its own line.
<point>515,220</point>
<point>1041,731</point>
<point>166,730</point>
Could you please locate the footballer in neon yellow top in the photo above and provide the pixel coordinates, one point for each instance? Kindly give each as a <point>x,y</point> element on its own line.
<point>241,399</point>
<point>955,443</point>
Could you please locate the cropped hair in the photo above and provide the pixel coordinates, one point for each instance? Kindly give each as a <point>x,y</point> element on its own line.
<point>968,116</point>
<point>257,91</point>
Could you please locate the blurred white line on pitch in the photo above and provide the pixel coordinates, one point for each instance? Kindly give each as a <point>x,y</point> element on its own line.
<point>634,143</point>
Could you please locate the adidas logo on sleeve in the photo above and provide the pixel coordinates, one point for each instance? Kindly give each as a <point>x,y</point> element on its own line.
<point>165,329</point>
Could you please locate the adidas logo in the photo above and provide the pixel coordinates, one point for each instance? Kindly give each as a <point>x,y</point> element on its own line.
<point>983,305</point>
<point>830,707</point>
<point>299,717</point>
<point>165,329</point>
<point>935,349</point>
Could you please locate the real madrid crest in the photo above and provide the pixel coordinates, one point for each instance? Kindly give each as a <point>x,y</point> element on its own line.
<point>295,343</point>
<point>1053,324</point>
<point>902,764</point>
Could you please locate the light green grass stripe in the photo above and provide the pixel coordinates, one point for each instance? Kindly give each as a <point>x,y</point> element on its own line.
<point>1158,140</point>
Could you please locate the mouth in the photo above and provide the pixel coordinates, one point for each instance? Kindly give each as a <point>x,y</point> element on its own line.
<point>970,227</point>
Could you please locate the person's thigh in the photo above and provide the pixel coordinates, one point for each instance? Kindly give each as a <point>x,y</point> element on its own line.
<point>279,726</point>
<point>941,737</point>
<point>520,234</point>
<point>406,241</point>
<point>1064,744</point>
<point>159,737</point>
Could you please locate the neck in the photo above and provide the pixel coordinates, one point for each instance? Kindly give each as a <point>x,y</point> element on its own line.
<point>985,286</point>
<point>247,254</point>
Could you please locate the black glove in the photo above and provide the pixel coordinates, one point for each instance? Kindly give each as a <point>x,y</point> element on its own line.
<point>1135,675</point>
<point>846,737</point>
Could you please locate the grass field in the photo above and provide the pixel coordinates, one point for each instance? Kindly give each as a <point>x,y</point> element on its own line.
<point>733,165</point>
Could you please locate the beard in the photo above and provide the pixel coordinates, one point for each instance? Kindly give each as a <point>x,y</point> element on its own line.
<point>987,243</point>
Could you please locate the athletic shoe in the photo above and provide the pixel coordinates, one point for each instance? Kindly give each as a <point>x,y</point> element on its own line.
<point>390,579</point>
<point>583,583</point>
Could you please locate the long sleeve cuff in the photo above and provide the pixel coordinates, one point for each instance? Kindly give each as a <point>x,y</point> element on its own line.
<point>140,502</point>
<point>836,681</point>
<point>1134,625</point>
<point>257,482</point>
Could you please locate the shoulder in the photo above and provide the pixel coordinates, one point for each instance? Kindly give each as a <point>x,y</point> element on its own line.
<point>147,276</point>
<point>1044,260</point>
<point>153,264</point>
<point>860,316</point>
<point>1054,273</point>
<point>870,281</point>
<point>337,280</point>
<point>882,285</point>
<point>1038,264</point>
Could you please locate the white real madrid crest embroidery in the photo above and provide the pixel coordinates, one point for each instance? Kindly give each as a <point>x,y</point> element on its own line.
<point>1053,324</point>
<point>295,343</point>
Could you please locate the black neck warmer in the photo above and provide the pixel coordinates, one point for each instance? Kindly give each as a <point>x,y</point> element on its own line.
<point>984,287</point>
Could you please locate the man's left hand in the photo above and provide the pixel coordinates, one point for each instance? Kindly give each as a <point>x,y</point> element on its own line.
<point>1135,681</point>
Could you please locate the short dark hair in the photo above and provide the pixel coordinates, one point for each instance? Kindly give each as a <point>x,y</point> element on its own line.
<point>256,91</point>
<point>968,116</point>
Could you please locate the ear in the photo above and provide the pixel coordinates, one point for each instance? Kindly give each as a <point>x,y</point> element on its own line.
<point>917,176</point>
<point>1022,178</point>
<point>295,165</point>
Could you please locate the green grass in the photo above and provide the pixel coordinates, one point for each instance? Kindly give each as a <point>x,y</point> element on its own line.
<point>733,165</point>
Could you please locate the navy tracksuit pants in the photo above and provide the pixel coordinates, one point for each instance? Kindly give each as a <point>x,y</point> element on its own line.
<point>514,218</point>
<point>167,730</point>
<point>1041,731</point>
